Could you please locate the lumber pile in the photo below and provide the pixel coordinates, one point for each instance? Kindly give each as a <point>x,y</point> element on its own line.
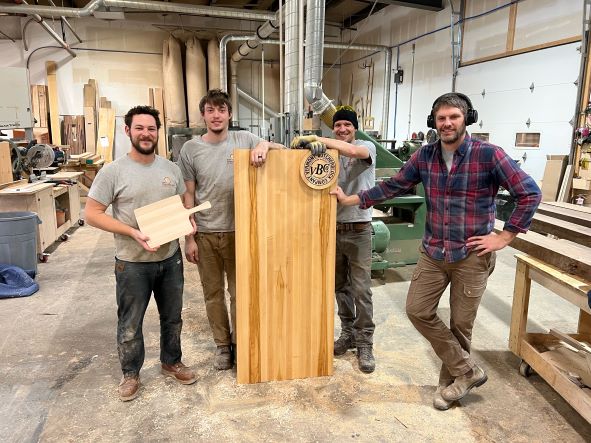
<point>73,130</point>
<point>560,235</point>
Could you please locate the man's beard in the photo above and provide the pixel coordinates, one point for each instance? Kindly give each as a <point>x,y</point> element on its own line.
<point>144,151</point>
<point>454,137</point>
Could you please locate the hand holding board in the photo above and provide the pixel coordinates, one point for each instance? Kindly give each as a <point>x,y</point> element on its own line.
<point>166,220</point>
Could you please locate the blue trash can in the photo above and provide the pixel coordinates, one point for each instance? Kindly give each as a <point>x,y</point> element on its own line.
<point>18,240</point>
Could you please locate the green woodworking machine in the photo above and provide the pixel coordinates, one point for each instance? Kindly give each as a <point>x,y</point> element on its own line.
<point>399,223</point>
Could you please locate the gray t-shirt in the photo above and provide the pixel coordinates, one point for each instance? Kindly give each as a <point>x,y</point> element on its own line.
<point>127,185</point>
<point>355,175</point>
<point>448,158</point>
<point>211,167</point>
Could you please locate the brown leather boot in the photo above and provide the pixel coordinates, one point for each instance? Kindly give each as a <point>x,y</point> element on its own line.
<point>129,386</point>
<point>179,372</point>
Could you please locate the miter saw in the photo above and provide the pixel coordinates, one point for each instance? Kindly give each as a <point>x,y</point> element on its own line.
<point>33,156</point>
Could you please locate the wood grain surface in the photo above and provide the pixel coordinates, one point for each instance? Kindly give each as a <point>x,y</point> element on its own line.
<point>285,259</point>
<point>166,220</point>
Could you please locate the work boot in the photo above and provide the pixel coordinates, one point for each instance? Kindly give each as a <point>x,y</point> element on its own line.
<point>179,372</point>
<point>445,379</point>
<point>365,359</point>
<point>464,383</point>
<point>342,344</point>
<point>128,387</point>
<point>223,358</point>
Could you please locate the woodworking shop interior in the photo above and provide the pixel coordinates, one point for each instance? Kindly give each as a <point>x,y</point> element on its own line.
<point>71,69</point>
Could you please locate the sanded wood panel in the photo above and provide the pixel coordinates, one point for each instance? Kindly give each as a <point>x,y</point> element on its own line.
<point>285,258</point>
<point>106,133</point>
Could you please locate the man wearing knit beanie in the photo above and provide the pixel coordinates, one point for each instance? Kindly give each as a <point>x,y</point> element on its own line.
<point>353,250</point>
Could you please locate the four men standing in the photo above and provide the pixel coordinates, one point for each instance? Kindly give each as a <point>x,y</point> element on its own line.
<point>461,178</point>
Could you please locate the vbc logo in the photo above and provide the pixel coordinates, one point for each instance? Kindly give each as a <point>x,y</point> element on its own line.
<point>319,171</point>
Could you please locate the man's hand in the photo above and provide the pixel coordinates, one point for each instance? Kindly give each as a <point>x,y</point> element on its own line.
<point>491,242</point>
<point>317,148</point>
<point>258,154</point>
<point>344,199</point>
<point>302,141</point>
<point>191,250</point>
<point>142,239</point>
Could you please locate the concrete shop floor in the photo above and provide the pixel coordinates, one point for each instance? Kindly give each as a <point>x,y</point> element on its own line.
<point>59,371</point>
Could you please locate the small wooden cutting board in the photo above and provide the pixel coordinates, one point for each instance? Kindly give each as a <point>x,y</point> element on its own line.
<point>166,220</point>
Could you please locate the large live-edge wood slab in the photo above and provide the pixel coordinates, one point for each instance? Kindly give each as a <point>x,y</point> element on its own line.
<point>285,258</point>
<point>564,213</point>
<point>546,224</point>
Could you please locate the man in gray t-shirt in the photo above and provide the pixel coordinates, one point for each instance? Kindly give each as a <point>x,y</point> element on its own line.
<point>353,242</point>
<point>207,164</point>
<point>130,182</point>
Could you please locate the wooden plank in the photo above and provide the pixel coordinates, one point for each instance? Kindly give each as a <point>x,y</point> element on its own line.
<point>106,133</point>
<point>570,206</point>
<point>566,185</point>
<point>54,119</point>
<point>520,307</point>
<point>570,287</point>
<point>579,346</point>
<point>166,220</point>
<point>89,129</point>
<point>5,163</point>
<point>511,27</point>
<point>563,41</point>
<point>73,131</point>
<point>89,94</point>
<point>35,106</point>
<point>285,252</point>
<point>157,97</point>
<point>43,106</point>
<point>544,224</point>
<point>579,399</point>
<point>565,214</point>
<point>552,251</point>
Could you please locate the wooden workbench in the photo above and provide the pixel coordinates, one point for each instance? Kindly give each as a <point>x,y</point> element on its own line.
<point>43,199</point>
<point>535,349</point>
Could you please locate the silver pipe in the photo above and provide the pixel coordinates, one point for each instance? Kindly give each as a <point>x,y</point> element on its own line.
<point>300,119</point>
<point>50,11</point>
<point>387,84</point>
<point>51,32</point>
<point>291,80</point>
<point>262,86</point>
<point>281,66</point>
<point>314,53</point>
<point>223,57</point>
<point>66,22</point>
<point>146,5</point>
<point>254,102</point>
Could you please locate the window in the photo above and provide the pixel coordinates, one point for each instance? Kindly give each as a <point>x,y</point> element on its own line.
<point>527,140</point>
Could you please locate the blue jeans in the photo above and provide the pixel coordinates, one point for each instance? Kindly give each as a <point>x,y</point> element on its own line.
<point>135,284</point>
<point>353,285</point>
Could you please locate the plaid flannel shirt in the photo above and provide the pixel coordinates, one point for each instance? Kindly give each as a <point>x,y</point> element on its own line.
<point>461,203</point>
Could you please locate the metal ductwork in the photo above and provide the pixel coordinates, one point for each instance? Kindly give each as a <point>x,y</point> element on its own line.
<point>257,104</point>
<point>143,5</point>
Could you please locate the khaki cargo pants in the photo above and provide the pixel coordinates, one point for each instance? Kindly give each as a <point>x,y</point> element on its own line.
<point>468,279</point>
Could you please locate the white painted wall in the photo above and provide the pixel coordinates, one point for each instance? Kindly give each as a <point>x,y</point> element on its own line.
<point>508,102</point>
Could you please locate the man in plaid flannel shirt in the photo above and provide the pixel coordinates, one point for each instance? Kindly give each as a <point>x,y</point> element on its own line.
<point>461,177</point>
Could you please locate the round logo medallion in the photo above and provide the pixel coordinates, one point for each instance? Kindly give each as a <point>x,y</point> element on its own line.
<point>319,171</point>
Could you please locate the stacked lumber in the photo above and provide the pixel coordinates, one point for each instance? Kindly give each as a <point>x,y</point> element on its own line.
<point>73,130</point>
<point>560,235</point>
<point>90,104</point>
<point>52,94</point>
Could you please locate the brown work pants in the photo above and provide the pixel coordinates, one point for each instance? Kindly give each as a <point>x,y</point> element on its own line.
<point>468,279</point>
<point>217,255</point>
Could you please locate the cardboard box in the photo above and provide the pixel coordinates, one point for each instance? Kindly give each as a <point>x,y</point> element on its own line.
<point>582,183</point>
<point>553,173</point>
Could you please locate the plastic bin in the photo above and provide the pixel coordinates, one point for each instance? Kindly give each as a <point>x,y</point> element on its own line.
<point>18,239</point>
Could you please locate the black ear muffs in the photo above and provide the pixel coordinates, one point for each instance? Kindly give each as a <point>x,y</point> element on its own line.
<point>471,115</point>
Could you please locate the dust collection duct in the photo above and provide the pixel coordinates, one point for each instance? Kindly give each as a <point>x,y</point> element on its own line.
<point>195,75</point>
<point>174,93</point>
